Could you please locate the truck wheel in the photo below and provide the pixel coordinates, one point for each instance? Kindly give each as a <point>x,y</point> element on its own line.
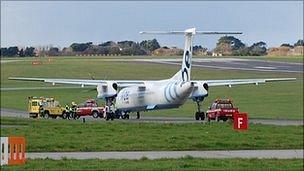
<point>95,114</point>
<point>127,116</point>
<point>64,115</point>
<point>197,116</point>
<point>46,115</point>
<point>225,119</point>
<point>217,118</point>
<point>107,116</point>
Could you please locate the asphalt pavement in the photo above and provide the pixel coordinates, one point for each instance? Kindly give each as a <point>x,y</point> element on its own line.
<point>160,119</point>
<point>261,154</point>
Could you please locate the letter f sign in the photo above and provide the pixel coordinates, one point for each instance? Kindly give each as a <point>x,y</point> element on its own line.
<point>240,121</point>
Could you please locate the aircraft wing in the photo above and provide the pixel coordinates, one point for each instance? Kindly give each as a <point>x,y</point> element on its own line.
<point>127,83</point>
<point>82,82</point>
<point>242,81</point>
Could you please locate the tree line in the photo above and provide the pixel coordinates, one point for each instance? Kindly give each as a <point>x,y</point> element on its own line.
<point>15,51</point>
<point>226,45</point>
<point>229,45</point>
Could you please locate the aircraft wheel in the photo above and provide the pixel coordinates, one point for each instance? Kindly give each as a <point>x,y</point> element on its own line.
<point>112,116</point>
<point>46,115</point>
<point>202,116</point>
<point>64,115</point>
<point>95,114</point>
<point>197,116</point>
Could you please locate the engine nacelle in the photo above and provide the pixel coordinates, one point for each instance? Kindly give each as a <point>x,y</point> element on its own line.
<point>200,91</point>
<point>107,90</point>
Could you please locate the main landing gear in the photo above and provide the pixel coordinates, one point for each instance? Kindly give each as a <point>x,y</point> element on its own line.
<point>137,115</point>
<point>199,114</point>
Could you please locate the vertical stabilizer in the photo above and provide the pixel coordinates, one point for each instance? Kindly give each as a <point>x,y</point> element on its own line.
<point>185,73</point>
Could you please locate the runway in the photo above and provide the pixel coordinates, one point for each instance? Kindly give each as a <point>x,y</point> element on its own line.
<point>261,154</point>
<point>235,64</point>
<point>158,119</point>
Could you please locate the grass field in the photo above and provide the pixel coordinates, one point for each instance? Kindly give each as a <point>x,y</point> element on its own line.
<point>63,135</point>
<point>273,100</point>
<point>187,163</point>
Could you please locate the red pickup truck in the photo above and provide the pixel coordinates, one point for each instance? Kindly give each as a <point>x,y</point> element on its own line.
<point>89,108</point>
<point>221,109</point>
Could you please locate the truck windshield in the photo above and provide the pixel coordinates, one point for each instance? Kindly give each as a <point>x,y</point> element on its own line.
<point>34,103</point>
<point>224,105</point>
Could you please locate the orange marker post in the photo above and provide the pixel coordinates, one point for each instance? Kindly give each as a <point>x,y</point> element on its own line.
<point>16,153</point>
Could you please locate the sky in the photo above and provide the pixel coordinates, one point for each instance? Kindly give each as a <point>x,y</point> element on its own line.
<point>61,23</point>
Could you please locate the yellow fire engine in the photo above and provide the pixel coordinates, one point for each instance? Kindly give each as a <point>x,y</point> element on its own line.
<point>45,107</point>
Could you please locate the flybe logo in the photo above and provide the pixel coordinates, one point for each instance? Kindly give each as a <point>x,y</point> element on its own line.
<point>186,67</point>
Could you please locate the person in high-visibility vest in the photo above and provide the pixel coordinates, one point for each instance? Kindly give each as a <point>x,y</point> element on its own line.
<point>68,109</point>
<point>106,112</point>
<point>73,110</point>
<point>41,110</point>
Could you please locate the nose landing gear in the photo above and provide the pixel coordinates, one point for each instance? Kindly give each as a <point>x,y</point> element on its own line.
<point>199,114</point>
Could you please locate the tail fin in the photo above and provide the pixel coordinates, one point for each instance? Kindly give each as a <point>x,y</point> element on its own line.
<point>185,72</point>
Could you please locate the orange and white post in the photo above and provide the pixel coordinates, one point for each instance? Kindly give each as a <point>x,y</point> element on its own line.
<point>12,151</point>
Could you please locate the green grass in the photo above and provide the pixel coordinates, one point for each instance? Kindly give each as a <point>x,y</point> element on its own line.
<point>187,163</point>
<point>273,100</point>
<point>64,135</point>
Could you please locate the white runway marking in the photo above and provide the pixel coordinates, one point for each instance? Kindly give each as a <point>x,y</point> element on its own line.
<point>265,67</point>
<point>8,61</point>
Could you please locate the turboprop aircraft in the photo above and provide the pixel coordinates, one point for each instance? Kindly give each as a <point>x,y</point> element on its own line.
<point>144,95</point>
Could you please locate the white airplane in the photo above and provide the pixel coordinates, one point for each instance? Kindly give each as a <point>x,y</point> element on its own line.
<point>144,95</point>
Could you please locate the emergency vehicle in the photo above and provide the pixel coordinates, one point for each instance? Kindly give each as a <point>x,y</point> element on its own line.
<point>89,108</point>
<point>221,109</point>
<point>45,107</point>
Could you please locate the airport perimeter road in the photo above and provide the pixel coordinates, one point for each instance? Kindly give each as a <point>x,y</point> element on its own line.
<point>13,113</point>
<point>280,154</point>
<point>281,122</point>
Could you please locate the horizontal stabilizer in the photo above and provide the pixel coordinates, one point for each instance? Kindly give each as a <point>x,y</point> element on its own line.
<point>190,31</point>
